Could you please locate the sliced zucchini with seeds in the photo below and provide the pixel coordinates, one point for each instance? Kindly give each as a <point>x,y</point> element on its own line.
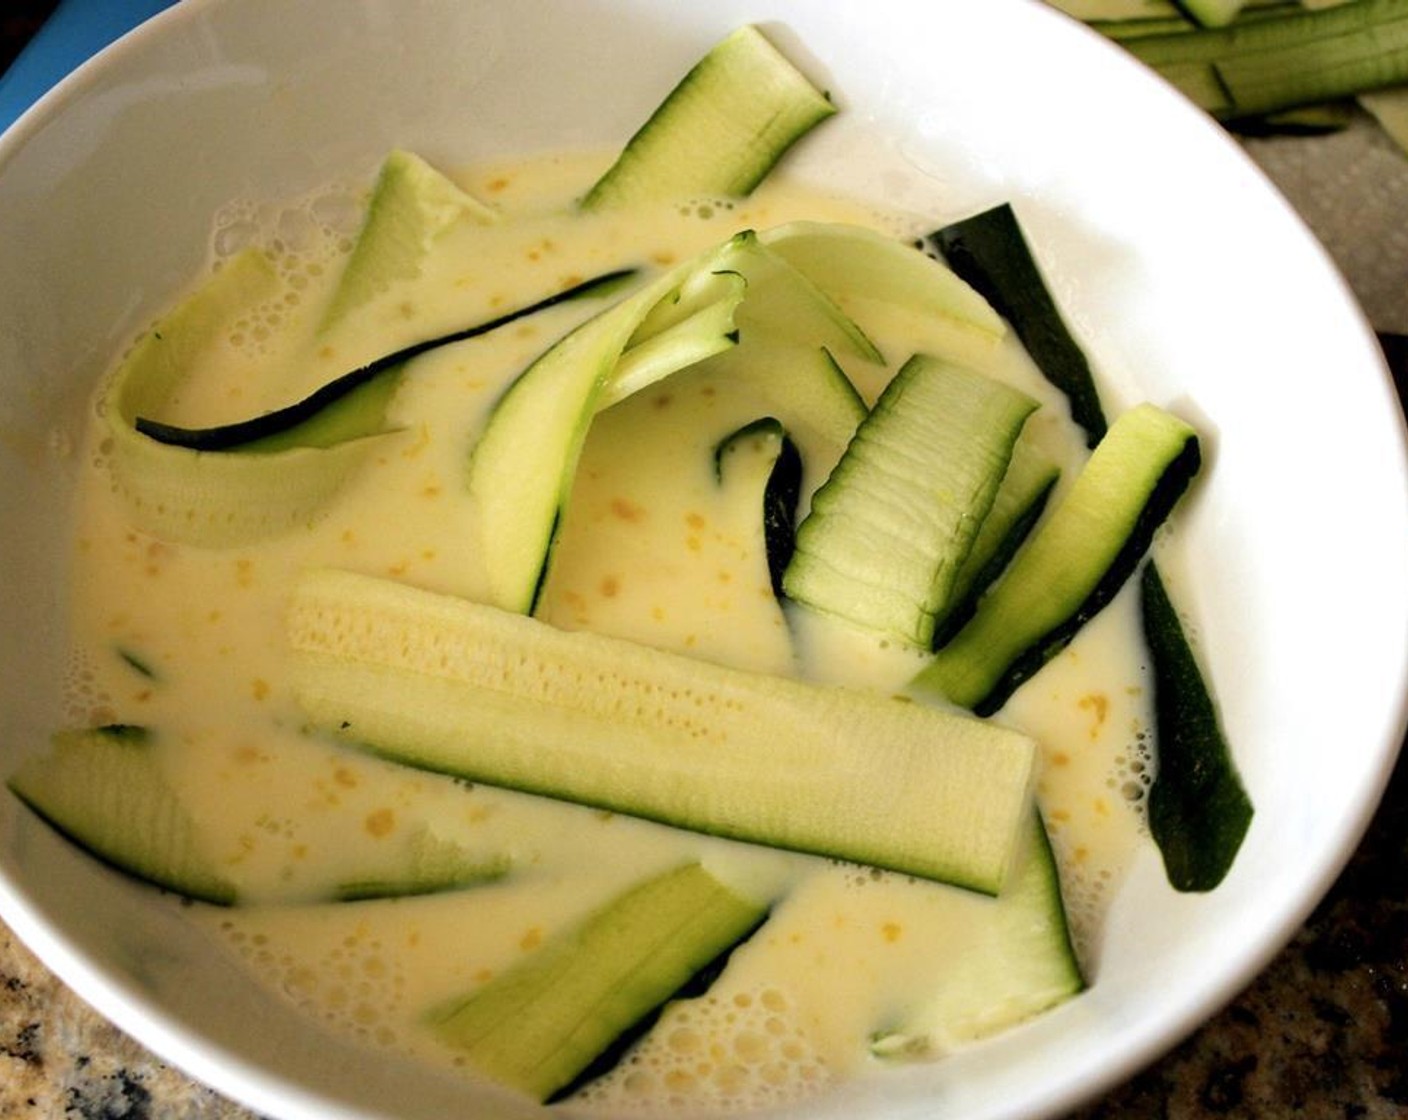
<point>489,695</point>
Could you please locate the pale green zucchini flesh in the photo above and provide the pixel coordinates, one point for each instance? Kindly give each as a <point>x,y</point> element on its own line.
<point>1017,507</point>
<point>741,290</point>
<point>890,530</point>
<point>808,393</point>
<point>540,1024</point>
<point>1202,809</point>
<point>1214,13</point>
<point>759,465</point>
<point>720,131</point>
<point>1087,10</point>
<point>489,695</point>
<point>786,305</point>
<point>1019,963</point>
<point>284,465</point>
<point>1072,565</point>
<point>852,263</point>
<point>711,328</point>
<point>522,465</point>
<point>412,207</point>
<point>354,404</point>
<point>181,495</point>
<point>249,480</point>
<point>103,789</point>
<point>425,864</point>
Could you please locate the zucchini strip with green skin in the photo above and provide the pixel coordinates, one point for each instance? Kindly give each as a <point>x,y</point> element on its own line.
<point>489,695</point>
<point>412,207</point>
<point>1198,811</point>
<point>787,305</point>
<point>1303,120</point>
<point>890,529</point>
<point>521,468</point>
<point>542,1025</point>
<point>990,252</point>
<point>1089,10</point>
<point>709,330</point>
<point>102,789</point>
<point>746,289</point>
<point>1019,965</point>
<point>1016,508</point>
<point>1143,11</point>
<point>1120,30</point>
<point>1198,845</point>
<point>1254,67</point>
<point>696,987</point>
<point>854,263</point>
<point>808,393</point>
<point>1213,13</point>
<point>430,865</point>
<point>105,790</point>
<point>719,131</point>
<point>1073,565</point>
<point>185,496</point>
<point>1134,27</point>
<point>286,423</point>
<point>270,474</point>
<point>762,456</point>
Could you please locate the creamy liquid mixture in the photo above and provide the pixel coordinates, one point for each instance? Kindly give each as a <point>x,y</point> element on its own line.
<point>188,641</point>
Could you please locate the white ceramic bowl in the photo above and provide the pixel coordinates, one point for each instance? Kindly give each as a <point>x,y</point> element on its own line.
<point>1190,279</point>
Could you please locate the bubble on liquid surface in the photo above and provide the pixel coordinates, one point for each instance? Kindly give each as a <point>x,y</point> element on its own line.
<point>356,988</point>
<point>1090,875</point>
<point>85,701</point>
<point>304,240</point>
<point>731,1052</point>
<point>1132,774</point>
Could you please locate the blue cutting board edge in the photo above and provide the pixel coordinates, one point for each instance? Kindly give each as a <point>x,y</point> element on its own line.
<point>74,33</point>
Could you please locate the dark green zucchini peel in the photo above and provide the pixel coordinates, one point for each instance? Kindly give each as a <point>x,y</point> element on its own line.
<point>781,493</point>
<point>695,987</point>
<point>992,567</point>
<point>271,430</point>
<point>1160,502</point>
<point>990,252</point>
<point>1198,809</point>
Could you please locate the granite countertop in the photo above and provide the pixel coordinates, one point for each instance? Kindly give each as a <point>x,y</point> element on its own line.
<point>1322,1034</point>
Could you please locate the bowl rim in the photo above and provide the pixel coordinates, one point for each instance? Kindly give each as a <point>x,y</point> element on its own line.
<point>224,1070</point>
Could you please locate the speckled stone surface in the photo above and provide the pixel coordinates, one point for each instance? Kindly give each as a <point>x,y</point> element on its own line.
<point>59,1059</point>
<point>1322,1034</point>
